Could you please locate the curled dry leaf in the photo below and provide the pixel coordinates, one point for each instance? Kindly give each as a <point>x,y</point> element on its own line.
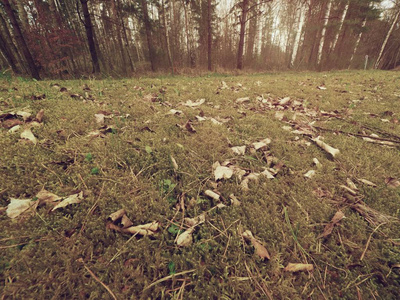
<point>73,199</point>
<point>117,215</point>
<point>174,164</point>
<point>332,151</point>
<point>367,182</point>
<point>392,182</point>
<point>148,229</point>
<point>351,191</point>
<point>14,129</point>
<point>242,100</point>
<point>284,101</point>
<point>28,135</point>
<point>39,116</point>
<point>298,267</point>
<point>234,200</point>
<point>239,150</point>
<point>212,194</point>
<point>339,215</point>
<point>175,112</point>
<point>310,174</point>
<point>261,251</point>
<point>351,184</point>
<point>45,196</point>
<point>190,103</point>
<point>261,144</point>
<point>245,182</point>
<point>185,239</point>
<point>196,220</point>
<point>317,163</point>
<point>25,115</point>
<point>18,207</point>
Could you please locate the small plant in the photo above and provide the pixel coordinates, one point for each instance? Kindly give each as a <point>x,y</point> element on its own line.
<point>166,186</point>
<point>95,171</point>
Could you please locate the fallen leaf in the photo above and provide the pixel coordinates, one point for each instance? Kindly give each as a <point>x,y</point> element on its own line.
<point>192,104</point>
<point>242,100</point>
<point>39,116</point>
<point>28,135</point>
<point>351,184</point>
<point>222,172</point>
<point>45,196</point>
<point>25,115</point>
<point>73,199</point>
<point>239,150</point>
<point>245,182</point>
<point>117,215</point>
<point>261,251</point>
<point>99,118</point>
<point>268,174</point>
<point>310,174</point>
<point>367,182</point>
<point>317,163</point>
<point>189,127</point>
<point>284,101</point>
<point>175,112</point>
<point>298,267</point>
<point>10,123</point>
<point>339,215</point>
<point>261,144</point>
<point>18,207</point>
<point>14,129</point>
<point>234,200</point>
<point>321,87</point>
<point>185,239</point>
<point>279,115</point>
<point>392,182</point>
<point>174,164</point>
<point>212,194</point>
<point>145,229</point>
<point>196,220</point>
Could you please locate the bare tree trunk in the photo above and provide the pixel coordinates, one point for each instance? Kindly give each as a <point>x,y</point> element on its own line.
<point>357,41</point>
<point>170,58</point>
<point>322,40</point>
<point>20,40</point>
<point>243,20</point>
<point>343,17</point>
<point>8,55</point>
<point>378,60</point>
<point>298,36</point>
<point>90,36</point>
<point>209,35</point>
<point>147,27</point>
<point>131,64</point>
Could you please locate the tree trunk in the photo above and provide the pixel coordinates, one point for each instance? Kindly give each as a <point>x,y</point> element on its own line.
<point>90,36</point>
<point>322,40</point>
<point>357,41</point>
<point>243,20</point>
<point>20,40</point>
<point>169,54</point>
<point>8,55</point>
<point>131,64</point>
<point>378,60</point>
<point>209,35</point>
<point>147,27</point>
<point>346,8</point>
<point>298,36</point>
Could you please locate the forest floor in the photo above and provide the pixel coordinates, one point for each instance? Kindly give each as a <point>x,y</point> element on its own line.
<point>275,186</point>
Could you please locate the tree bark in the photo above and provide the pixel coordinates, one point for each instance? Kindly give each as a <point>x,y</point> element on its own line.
<point>378,60</point>
<point>20,40</point>
<point>343,17</point>
<point>298,36</point>
<point>322,40</point>
<point>8,55</point>
<point>243,20</point>
<point>357,41</point>
<point>90,36</point>
<point>169,54</point>
<point>147,27</point>
<point>209,35</point>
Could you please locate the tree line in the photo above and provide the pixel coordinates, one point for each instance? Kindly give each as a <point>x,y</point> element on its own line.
<point>69,38</point>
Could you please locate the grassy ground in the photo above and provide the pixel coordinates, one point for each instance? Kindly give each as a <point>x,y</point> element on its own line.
<point>150,162</point>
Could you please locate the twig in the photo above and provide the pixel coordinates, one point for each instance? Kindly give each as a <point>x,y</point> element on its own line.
<point>122,248</point>
<point>369,240</point>
<point>168,278</point>
<point>98,280</point>
<point>92,208</point>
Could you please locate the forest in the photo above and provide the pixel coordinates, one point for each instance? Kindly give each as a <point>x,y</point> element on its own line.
<point>119,38</point>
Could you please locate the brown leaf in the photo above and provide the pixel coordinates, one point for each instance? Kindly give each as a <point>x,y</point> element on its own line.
<point>261,251</point>
<point>10,123</point>
<point>39,116</point>
<point>189,127</point>
<point>115,216</point>
<point>392,182</point>
<point>339,215</point>
<point>45,196</point>
<point>298,267</point>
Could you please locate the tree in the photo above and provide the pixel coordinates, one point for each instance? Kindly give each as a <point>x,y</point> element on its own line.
<point>87,22</point>
<point>148,29</point>
<point>20,39</point>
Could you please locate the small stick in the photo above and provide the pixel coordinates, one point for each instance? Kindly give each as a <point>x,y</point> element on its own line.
<point>369,240</point>
<point>168,278</point>
<point>98,280</point>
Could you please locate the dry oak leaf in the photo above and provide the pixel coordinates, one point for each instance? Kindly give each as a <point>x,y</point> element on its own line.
<point>28,135</point>
<point>45,196</point>
<point>222,172</point>
<point>298,267</point>
<point>185,239</point>
<point>18,207</point>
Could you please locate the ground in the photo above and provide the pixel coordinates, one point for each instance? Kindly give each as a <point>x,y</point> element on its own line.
<point>293,178</point>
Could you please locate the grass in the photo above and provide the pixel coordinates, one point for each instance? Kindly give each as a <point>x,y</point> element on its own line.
<point>69,253</point>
